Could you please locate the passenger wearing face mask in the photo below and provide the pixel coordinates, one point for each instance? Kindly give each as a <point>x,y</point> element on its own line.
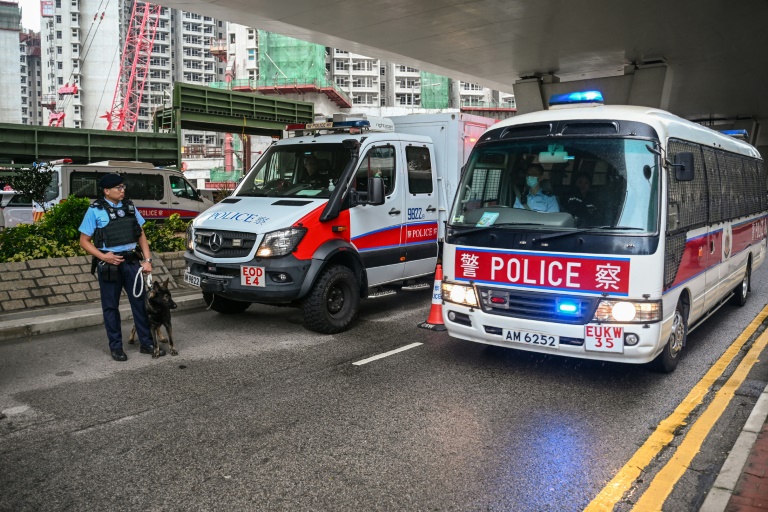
<point>533,197</point>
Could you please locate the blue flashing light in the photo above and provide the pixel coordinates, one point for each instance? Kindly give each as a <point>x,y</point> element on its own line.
<point>738,134</point>
<point>568,307</point>
<point>352,124</point>
<point>573,98</point>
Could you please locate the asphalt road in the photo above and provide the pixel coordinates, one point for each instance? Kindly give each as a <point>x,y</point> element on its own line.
<point>257,413</point>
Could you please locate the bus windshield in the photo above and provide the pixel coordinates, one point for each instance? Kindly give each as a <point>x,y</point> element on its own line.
<point>595,184</point>
<point>296,171</point>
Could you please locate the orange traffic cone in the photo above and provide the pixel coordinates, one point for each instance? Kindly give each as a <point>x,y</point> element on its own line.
<point>435,320</point>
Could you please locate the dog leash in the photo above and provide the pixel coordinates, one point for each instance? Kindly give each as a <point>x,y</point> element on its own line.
<point>138,283</point>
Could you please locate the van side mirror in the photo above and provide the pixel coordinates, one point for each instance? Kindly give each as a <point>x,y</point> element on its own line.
<point>683,165</point>
<point>375,191</point>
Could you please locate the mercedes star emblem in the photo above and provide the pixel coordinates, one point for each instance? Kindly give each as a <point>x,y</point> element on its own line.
<point>214,242</point>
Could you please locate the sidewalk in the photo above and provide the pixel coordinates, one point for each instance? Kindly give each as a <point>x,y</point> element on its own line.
<point>24,324</point>
<point>741,485</point>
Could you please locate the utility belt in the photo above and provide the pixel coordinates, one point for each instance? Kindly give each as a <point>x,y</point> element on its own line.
<point>109,272</point>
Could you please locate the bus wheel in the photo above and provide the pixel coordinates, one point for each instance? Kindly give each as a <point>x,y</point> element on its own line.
<point>667,361</point>
<point>223,305</point>
<point>333,303</point>
<point>741,292</point>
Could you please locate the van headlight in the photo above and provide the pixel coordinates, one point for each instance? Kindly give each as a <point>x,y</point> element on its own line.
<point>280,242</point>
<point>459,294</point>
<point>627,312</point>
<point>190,242</point>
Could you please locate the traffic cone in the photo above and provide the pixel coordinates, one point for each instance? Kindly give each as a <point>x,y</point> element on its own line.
<point>435,320</point>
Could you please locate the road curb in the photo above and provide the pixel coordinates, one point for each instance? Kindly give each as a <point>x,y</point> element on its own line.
<point>89,316</point>
<point>722,489</point>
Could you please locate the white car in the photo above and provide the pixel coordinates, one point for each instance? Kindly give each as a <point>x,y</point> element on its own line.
<point>16,209</point>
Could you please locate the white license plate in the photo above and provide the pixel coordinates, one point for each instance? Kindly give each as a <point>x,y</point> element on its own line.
<point>252,276</point>
<point>604,338</point>
<point>190,279</point>
<point>536,339</point>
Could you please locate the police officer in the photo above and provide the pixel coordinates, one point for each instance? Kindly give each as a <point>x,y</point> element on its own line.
<point>110,231</point>
<point>534,197</point>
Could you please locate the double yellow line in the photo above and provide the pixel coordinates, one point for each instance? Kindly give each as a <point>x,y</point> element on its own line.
<point>658,491</point>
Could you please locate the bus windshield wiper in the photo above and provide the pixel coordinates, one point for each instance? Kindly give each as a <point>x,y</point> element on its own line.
<point>253,193</point>
<point>475,229</point>
<point>558,235</point>
<point>620,228</point>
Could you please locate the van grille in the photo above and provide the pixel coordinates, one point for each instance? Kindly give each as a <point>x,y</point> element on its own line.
<point>535,306</point>
<point>224,244</point>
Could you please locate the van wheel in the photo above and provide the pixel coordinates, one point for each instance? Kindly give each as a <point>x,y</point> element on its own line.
<point>741,292</point>
<point>223,305</point>
<point>333,303</point>
<point>667,361</point>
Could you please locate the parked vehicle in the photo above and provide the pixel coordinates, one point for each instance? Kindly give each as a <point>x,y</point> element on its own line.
<point>325,217</point>
<point>16,209</point>
<point>157,193</point>
<point>673,227</point>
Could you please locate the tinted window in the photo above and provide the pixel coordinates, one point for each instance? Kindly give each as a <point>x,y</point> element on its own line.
<point>147,187</point>
<point>419,170</point>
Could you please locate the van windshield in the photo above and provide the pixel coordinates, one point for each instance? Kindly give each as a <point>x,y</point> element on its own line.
<point>296,171</point>
<point>586,184</point>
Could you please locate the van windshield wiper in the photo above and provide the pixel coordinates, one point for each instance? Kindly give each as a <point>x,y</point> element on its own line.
<point>254,193</point>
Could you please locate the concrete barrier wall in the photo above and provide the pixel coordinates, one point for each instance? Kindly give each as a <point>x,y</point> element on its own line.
<point>56,281</point>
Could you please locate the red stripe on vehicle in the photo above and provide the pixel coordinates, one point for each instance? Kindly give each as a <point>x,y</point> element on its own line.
<point>319,233</point>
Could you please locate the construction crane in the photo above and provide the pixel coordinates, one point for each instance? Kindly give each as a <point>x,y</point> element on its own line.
<point>134,67</point>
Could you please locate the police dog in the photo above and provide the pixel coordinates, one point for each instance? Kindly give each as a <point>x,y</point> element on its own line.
<point>159,304</point>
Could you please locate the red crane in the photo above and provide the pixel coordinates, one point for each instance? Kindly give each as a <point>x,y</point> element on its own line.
<point>134,67</point>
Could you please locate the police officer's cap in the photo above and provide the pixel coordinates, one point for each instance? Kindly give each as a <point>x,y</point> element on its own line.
<point>110,180</point>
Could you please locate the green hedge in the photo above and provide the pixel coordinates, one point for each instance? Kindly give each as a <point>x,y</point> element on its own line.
<point>56,235</point>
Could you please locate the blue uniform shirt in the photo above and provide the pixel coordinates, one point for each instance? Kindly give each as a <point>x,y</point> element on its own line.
<point>540,202</point>
<point>99,218</point>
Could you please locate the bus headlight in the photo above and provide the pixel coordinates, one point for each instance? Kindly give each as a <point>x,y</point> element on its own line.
<point>459,294</point>
<point>280,242</point>
<point>626,311</point>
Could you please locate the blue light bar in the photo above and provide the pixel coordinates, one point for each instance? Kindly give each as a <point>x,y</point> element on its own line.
<point>352,124</point>
<point>738,134</point>
<point>574,98</point>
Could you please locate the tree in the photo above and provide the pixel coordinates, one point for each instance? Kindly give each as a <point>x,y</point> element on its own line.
<point>32,183</point>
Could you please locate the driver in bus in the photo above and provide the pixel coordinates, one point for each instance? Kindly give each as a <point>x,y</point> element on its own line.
<point>533,196</point>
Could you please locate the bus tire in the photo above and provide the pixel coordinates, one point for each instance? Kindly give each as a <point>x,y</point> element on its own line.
<point>333,303</point>
<point>223,305</point>
<point>741,292</point>
<point>667,361</point>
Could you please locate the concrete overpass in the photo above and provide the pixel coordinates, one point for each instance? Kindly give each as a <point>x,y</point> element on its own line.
<point>705,60</point>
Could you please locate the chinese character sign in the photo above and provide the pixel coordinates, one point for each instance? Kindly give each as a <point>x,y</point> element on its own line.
<point>550,271</point>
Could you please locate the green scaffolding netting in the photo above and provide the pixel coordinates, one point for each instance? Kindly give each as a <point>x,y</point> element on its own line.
<point>284,60</point>
<point>434,90</point>
<point>218,174</point>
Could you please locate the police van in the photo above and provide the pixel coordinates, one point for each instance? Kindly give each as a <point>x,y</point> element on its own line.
<point>157,193</point>
<point>343,207</point>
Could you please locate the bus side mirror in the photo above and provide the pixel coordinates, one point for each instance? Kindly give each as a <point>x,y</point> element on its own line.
<point>375,191</point>
<point>684,166</point>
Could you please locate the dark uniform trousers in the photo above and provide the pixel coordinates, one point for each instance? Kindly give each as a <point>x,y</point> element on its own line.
<point>110,302</point>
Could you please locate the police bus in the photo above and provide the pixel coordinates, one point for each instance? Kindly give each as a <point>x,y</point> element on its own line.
<point>657,223</point>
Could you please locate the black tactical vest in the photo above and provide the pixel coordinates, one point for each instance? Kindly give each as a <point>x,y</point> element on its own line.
<point>122,228</point>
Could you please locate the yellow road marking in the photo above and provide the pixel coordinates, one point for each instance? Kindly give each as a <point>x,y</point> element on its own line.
<point>615,489</point>
<point>653,498</point>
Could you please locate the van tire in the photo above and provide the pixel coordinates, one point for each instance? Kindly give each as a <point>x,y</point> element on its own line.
<point>667,361</point>
<point>333,302</point>
<point>223,305</point>
<point>741,292</point>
